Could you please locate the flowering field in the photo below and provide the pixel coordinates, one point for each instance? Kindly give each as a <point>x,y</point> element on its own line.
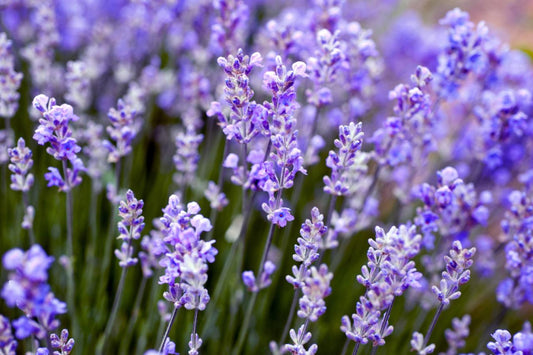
<point>243,177</point>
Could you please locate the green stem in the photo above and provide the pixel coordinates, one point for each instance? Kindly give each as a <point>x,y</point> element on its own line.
<point>170,322</point>
<point>245,325</point>
<point>134,316</point>
<point>290,317</point>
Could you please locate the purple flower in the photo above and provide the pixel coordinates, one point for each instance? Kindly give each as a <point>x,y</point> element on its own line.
<point>9,79</point>
<point>388,273</point>
<point>62,343</point>
<point>417,344</point>
<point>316,287</point>
<point>21,163</point>
<point>54,128</point>
<point>349,143</point>
<point>463,52</point>
<point>306,251</point>
<point>8,344</point>
<point>451,208</point>
<point>187,256</point>
<point>456,337</point>
<point>409,134</point>
<point>217,199</point>
<point>264,280</point>
<point>187,156</point>
<point>123,130</point>
<point>456,273</point>
<point>27,288</point>
<point>130,228</point>
<point>77,84</point>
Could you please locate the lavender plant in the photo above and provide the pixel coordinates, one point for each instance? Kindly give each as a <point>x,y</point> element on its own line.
<point>290,84</point>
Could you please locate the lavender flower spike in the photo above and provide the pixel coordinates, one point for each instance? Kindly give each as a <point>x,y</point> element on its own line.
<point>130,227</point>
<point>21,163</point>
<point>9,79</point>
<point>8,344</point>
<point>27,288</point>
<point>456,273</point>
<point>349,142</point>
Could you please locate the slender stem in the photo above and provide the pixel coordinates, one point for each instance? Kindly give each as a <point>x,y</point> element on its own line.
<point>345,346</point>
<point>170,322</point>
<point>356,349</point>
<point>116,303</point>
<point>71,285</point>
<point>331,208</point>
<point>245,325</point>
<point>433,323</point>
<point>244,329</point>
<point>25,200</point>
<point>290,317</point>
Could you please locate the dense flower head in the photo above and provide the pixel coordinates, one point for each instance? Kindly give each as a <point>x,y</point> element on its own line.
<point>246,117</point>
<point>409,134</point>
<point>306,251</point>
<point>21,162</point>
<point>187,256</point>
<point>456,273</point>
<point>388,273</point>
<point>227,30</point>
<point>27,288</point>
<point>78,85</point>
<point>323,67</point>
<point>54,128</point>
<point>316,287</point>
<point>130,227</point>
<point>285,159</point>
<point>463,52</point>
<point>451,208</point>
<point>517,289</point>
<point>348,144</point>
<point>187,156</point>
<point>502,121</point>
<point>9,79</point>
<point>123,130</point>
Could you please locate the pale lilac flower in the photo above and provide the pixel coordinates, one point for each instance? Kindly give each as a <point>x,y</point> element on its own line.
<point>9,79</point>
<point>417,344</point>
<point>62,343</point>
<point>21,163</point>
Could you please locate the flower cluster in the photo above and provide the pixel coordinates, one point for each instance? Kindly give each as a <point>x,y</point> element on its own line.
<point>286,159</point>
<point>123,130</point>
<point>62,343</point>
<point>388,273</point>
<point>517,289</point>
<point>9,79</point>
<point>186,157</point>
<point>456,273</point>
<point>349,143</point>
<point>54,129</point>
<point>130,228</point>
<point>501,120</point>
<point>21,163</point>
<point>253,284</point>
<point>186,260</point>
<point>521,343</point>
<point>409,134</point>
<point>8,344</point>
<point>78,86</point>
<point>28,289</point>
<point>456,337</point>
<point>451,208</point>
<point>306,251</point>
<point>463,53</point>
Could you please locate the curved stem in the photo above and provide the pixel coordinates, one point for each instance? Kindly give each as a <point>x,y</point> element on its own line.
<point>345,346</point>
<point>384,323</point>
<point>170,322</point>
